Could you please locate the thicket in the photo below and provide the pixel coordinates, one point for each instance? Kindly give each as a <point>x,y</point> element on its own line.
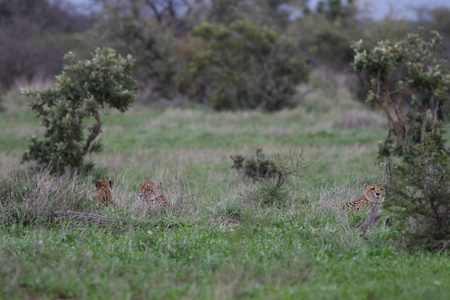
<point>82,89</point>
<point>244,66</point>
<point>154,34</point>
<point>34,35</point>
<point>414,107</point>
<point>267,44</point>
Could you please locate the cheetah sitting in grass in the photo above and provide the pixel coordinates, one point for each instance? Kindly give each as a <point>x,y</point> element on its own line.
<point>152,196</point>
<point>104,196</point>
<point>374,194</point>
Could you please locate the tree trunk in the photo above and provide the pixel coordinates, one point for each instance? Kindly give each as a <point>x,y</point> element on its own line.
<point>372,219</point>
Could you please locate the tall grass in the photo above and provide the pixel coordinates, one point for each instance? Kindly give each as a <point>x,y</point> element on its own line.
<point>29,196</point>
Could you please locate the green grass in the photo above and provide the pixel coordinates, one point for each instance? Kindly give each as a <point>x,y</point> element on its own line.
<point>216,243</point>
<point>198,261</point>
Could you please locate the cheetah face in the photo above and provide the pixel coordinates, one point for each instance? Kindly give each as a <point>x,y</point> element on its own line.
<point>103,184</point>
<point>104,188</point>
<point>149,190</point>
<point>374,192</point>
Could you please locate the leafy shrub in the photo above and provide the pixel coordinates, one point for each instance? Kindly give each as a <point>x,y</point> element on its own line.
<point>391,29</point>
<point>256,167</point>
<point>419,199</point>
<point>418,185</point>
<point>157,41</point>
<point>244,66</point>
<point>424,81</point>
<point>80,91</point>
<point>270,175</point>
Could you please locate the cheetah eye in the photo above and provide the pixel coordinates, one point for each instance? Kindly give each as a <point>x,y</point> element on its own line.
<point>382,189</point>
<point>373,189</point>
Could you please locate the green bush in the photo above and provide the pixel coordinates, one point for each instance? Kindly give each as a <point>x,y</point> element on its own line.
<point>83,88</point>
<point>419,199</point>
<point>423,83</point>
<point>246,67</point>
<point>157,42</point>
<point>256,167</point>
<point>391,29</point>
<point>270,175</point>
<point>418,185</point>
<point>325,33</point>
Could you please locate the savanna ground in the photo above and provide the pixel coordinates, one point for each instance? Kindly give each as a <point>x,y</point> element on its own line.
<point>217,241</point>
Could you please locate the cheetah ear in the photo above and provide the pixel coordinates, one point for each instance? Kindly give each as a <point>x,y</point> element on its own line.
<point>95,184</point>
<point>365,184</point>
<point>160,184</point>
<point>111,183</point>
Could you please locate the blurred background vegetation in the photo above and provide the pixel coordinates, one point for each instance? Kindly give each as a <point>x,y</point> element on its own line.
<point>227,54</point>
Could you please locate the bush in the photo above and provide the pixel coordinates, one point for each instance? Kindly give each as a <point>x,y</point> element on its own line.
<point>270,175</point>
<point>391,29</point>
<point>423,83</point>
<point>246,67</point>
<point>256,167</point>
<point>80,91</point>
<point>419,199</point>
<point>418,185</point>
<point>158,42</point>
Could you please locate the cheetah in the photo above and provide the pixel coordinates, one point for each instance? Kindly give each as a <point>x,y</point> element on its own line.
<point>374,194</point>
<point>152,196</point>
<point>104,196</point>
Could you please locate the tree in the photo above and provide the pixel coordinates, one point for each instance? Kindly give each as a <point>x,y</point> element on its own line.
<point>272,13</point>
<point>244,66</point>
<point>154,33</point>
<point>422,80</point>
<point>419,199</point>
<point>326,33</point>
<point>418,187</point>
<point>80,91</point>
<point>335,10</point>
<point>34,35</point>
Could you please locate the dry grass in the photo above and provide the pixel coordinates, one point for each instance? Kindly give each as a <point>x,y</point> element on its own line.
<point>29,196</point>
<point>175,189</point>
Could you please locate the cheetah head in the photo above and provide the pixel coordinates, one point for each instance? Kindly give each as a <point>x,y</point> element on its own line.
<point>150,189</point>
<point>374,192</point>
<point>103,184</point>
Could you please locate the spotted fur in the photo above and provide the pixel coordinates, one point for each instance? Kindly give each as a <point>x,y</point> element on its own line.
<point>151,194</point>
<point>104,195</point>
<point>374,194</point>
